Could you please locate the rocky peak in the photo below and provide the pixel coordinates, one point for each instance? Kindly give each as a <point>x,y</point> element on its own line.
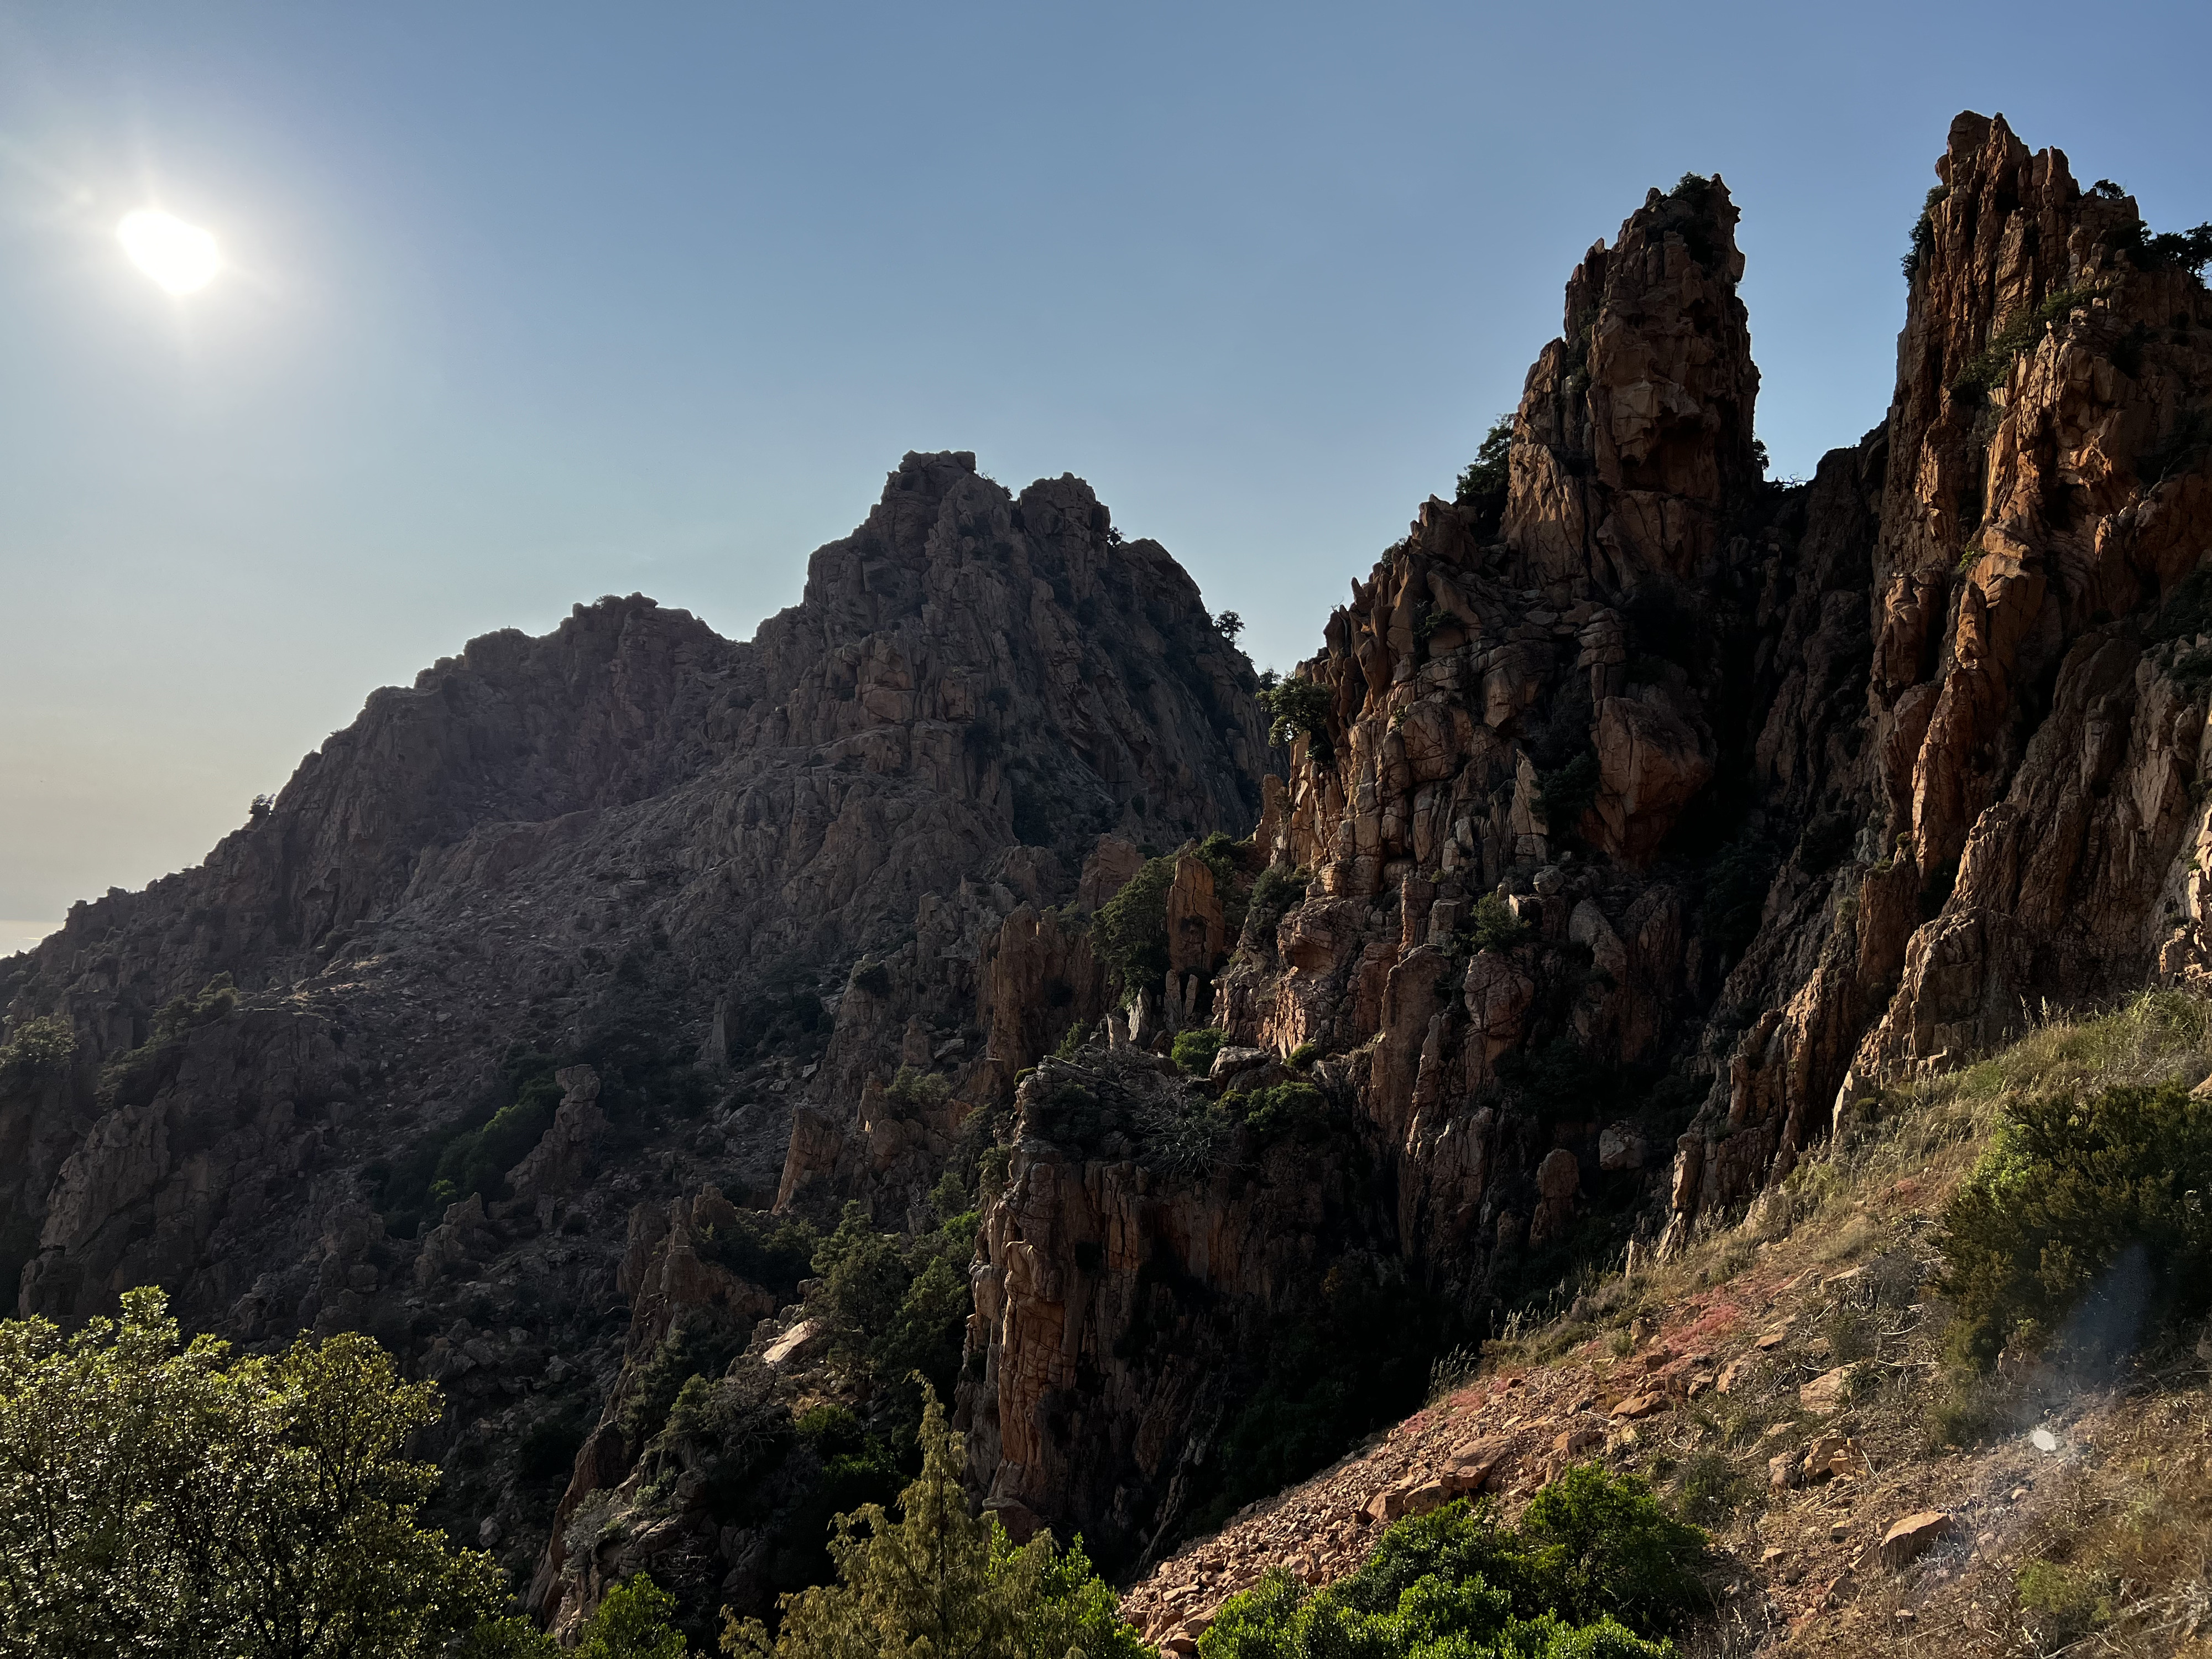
<point>568,929</point>
<point>1633,439</point>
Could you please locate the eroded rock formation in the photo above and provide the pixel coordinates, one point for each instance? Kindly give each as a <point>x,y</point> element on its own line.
<point>1689,809</point>
<point>705,881</point>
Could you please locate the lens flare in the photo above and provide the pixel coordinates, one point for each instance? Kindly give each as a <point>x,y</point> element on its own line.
<point>181,257</point>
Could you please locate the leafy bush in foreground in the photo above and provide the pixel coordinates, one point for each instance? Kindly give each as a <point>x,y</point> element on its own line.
<point>2087,1222</point>
<point>161,1497</point>
<point>1594,1568</point>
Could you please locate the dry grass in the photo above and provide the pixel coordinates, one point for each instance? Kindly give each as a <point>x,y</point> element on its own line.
<point>2104,1547</point>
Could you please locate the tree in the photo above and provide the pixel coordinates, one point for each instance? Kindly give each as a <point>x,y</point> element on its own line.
<point>1300,708</point>
<point>1486,477</point>
<point>1231,625</point>
<point>156,1495</point>
<point>940,1582</point>
<point>631,1622</point>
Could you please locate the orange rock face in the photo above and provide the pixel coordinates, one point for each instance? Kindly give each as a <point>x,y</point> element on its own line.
<point>1653,805</point>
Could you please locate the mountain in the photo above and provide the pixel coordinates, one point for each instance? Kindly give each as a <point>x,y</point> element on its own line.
<point>673,1046</point>
<point>1640,824</point>
<point>563,930</point>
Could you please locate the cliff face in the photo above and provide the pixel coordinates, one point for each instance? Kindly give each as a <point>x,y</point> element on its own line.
<point>1668,820</point>
<point>632,848</point>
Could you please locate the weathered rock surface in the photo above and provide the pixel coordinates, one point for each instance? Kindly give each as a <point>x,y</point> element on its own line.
<point>1687,807</point>
<point>722,881</point>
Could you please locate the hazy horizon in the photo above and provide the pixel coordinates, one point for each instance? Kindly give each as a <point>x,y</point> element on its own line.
<point>523,307</point>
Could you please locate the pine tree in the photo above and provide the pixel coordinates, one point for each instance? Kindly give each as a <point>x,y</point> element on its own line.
<point>941,1583</point>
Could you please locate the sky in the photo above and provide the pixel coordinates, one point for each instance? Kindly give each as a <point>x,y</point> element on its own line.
<point>525,303</point>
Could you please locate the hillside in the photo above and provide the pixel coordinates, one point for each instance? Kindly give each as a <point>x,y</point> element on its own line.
<point>571,927</point>
<point>1586,959</point>
<point>1786,1383</point>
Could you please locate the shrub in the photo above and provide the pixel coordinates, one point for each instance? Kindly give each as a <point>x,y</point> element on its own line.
<point>2187,250</point>
<point>1924,232</point>
<point>218,1000</point>
<point>1710,1489</point>
<point>1274,895</point>
<point>1304,1054</point>
<point>2083,1225</point>
<point>693,1348</point>
<point>1195,1050</point>
<point>35,1049</point>
<point>633,1621</point>
<point>773,1251</point>
<point>1595,1567</point>
<point>1563,795</point>
<point>1130,931</point>
<point>1280,1109</point>
<point>161,1497</point>
<point>918,1091</point>
<point>1486,477</point>
<point>1492,924</point>
<point>2068,1602</point>
<point>1299,707</point>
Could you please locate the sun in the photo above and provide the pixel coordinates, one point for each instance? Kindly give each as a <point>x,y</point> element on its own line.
<point>181,257</point>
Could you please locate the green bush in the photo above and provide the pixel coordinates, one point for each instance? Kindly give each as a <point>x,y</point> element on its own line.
<point>1563,795</point>
<point>1299,707</point>
<point>1492,924</point>
<point>35,1049</point>
<point>1304,1054</point>
<point>773,1251</point>
<point>918,1091</point>
<point>164,1497</point>
<point>2068,1602</point>
<point>1273,896</point>
<point>2187,250</point>
<point>2085,1223</point>
<point>693,1348</point>
<point>634,1620</point>
<point>1130,931</point>
<point>218,1000</point>
<point>1924,232</point>
<point>1594,1568</point>
<point>1280,1109</point>
<point>1195,1050</point>
<point>1486,477</point>
<point>940,1581</point>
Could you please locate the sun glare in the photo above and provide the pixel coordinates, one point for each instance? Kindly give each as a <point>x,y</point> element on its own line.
<point>181,257</point>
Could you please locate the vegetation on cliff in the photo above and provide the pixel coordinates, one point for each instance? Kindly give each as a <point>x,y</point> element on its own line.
<point>1594,1568</point>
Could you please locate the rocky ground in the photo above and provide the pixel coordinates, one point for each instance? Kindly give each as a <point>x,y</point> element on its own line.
<point>1783,1384</point>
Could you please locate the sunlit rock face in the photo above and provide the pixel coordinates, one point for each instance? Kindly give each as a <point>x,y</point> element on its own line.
<point>1654,813</point>
<point>1659,808</point>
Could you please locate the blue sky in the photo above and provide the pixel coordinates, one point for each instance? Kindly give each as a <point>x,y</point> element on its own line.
<point>532,302</point>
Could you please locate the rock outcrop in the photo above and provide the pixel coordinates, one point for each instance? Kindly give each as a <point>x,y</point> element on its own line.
<point>1687,808</point>
<point>657,888</point>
